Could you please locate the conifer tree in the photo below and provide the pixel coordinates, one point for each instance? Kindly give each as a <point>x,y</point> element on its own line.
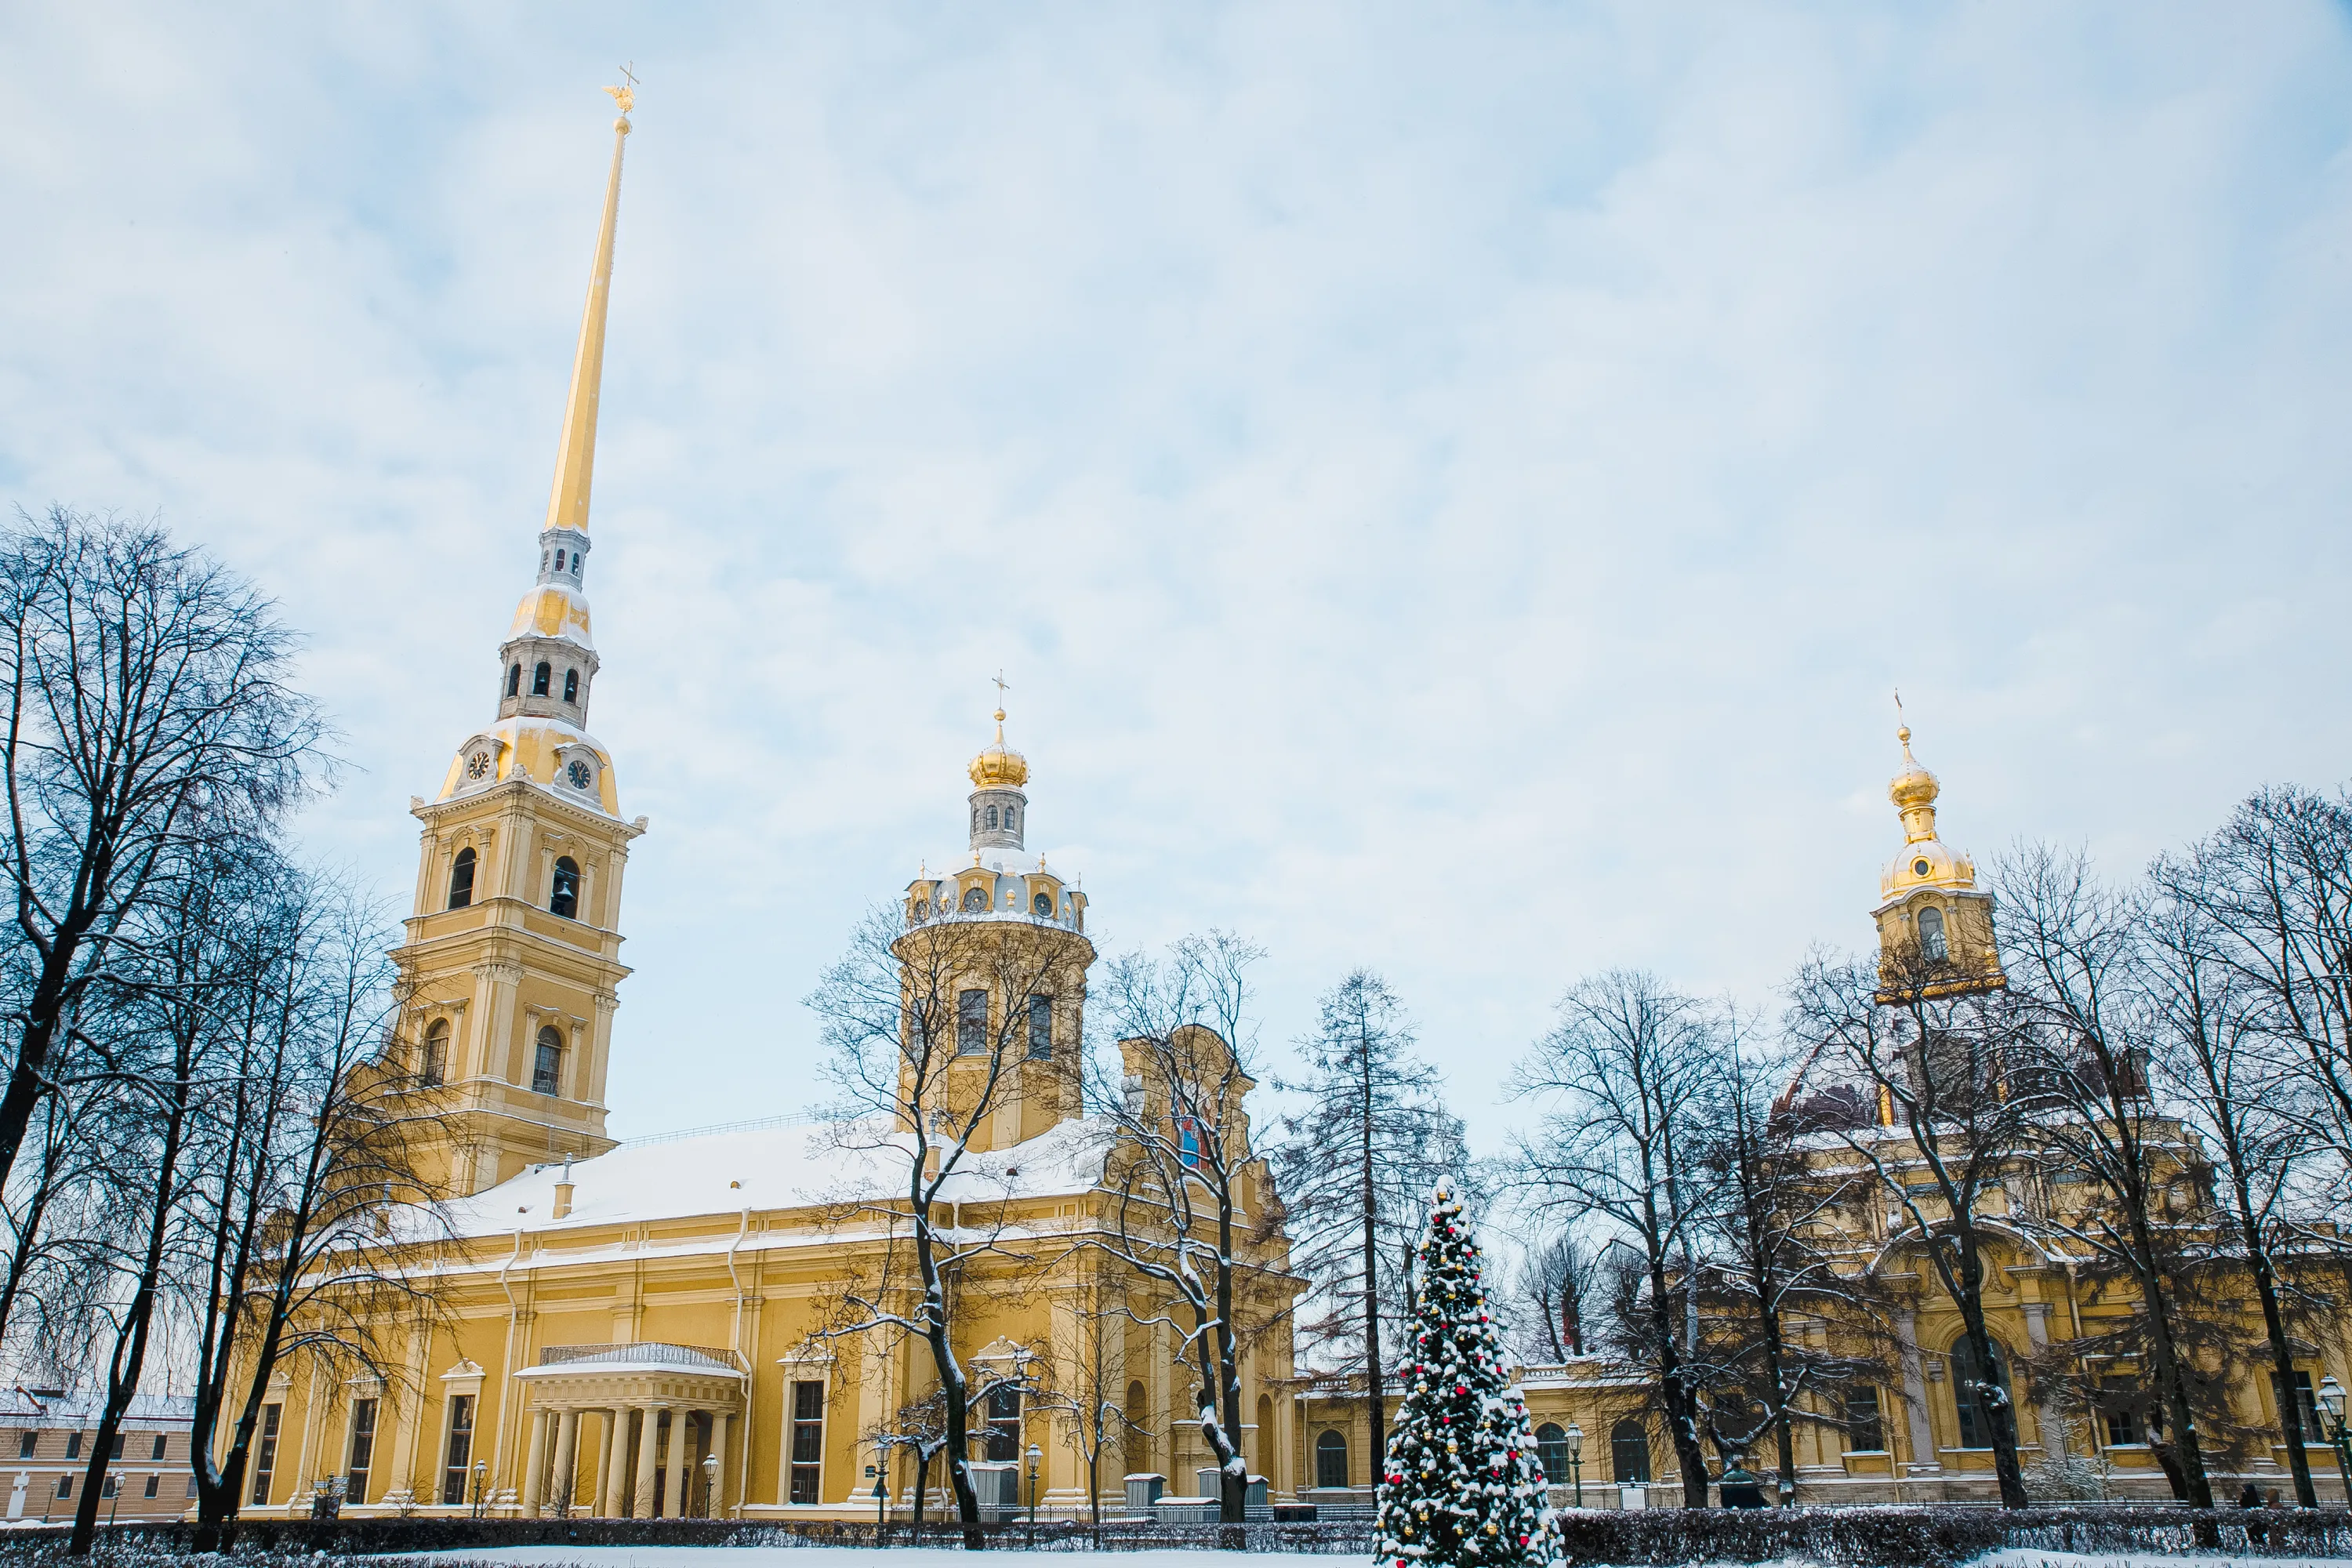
<point>1461,1483</point>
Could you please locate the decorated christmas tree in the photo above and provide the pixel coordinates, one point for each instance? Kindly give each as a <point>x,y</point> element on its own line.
<point>1461,1483</point>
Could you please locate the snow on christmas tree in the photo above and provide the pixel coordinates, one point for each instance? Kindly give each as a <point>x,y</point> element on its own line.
<point>1461,1483</point>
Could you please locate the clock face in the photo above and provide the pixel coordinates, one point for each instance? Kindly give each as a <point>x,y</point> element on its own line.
<point>580,774</point>
<point>478,765</point>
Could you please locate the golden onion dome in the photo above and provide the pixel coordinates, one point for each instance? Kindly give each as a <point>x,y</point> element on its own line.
<point>1915,787</point>
<point>1000,766</point>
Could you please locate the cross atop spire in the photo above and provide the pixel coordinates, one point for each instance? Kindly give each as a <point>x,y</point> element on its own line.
<point>575,454</point>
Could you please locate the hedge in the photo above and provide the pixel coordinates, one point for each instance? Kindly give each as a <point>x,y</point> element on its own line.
<point>1893,1537</point>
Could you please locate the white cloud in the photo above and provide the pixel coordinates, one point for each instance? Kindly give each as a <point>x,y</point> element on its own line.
<point>1451,489</point>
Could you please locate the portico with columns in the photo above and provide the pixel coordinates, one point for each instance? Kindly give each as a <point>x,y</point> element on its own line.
<point>658,1411</point>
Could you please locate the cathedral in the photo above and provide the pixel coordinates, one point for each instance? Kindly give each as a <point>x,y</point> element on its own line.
<point>653,1329</point>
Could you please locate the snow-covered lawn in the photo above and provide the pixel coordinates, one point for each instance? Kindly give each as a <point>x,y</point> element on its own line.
<point>834,1557</point>
<point>938,1556</point>
<point>2025,1557</point>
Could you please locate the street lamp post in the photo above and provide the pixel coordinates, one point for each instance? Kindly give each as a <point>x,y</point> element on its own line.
<point>710,1486</point>
<point>1575,1459</point>
<point>481,1482</point>
<point>2331,1419</point>
<point>881,1508</point>
<point>1035,1454</point>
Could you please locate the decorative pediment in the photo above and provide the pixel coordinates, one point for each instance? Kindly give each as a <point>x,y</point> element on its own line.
<point>464,1371</point>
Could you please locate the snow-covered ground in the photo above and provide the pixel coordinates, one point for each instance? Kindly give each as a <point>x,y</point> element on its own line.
<point>938,1556</point>
<point>2025,1557</point>
<point>835,1557</point>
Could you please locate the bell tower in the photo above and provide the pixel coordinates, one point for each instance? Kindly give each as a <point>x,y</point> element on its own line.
<point>512,968</point>
<point>1935,924</point>
<point>1004,940</point>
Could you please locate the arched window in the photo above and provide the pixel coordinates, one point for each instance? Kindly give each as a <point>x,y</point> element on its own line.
<point>514,679</point>
<point>1139,1439</point>
<point>547,1063</point>
<point>540,674</point>
<point>432,1061</point>
<point>576,556</point>
<point>1973,1392</point>
<point>1188,1143</point>
<point>1931,935</point>
<point>922,908</point>
<point>972,1023</point>
<point>559,560</point>
<point>1331,1459</point>
<point>564,898</point>
<point>461,879</point>
<point>1629,1452</point>
<point>1042,906</point>
<point>572,686</point>
<point>1551,1448</point>
<point>992,816</point>
<point>1041,1028</point>
<point>973,899</point>
<point>1011,821</point>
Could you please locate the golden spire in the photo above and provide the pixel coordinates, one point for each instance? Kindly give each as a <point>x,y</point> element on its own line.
<point>575,456</point>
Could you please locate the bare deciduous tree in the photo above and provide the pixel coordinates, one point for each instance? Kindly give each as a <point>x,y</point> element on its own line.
<point>1189,1195</point>
<point>927,1027</point>
<point>1937,1062</point>
<point>148,710</point>
<point>1618,1146</point>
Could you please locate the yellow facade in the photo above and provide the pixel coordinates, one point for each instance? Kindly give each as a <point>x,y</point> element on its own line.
<point>651,1328</point>
<point>2035,1299</point>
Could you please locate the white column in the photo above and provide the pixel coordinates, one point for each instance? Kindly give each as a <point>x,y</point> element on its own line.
<point>719,1451</point>
<point>674,1483</point>
<point>1924,1458</point>
<point>2049,1425</point>
<point>535,1464</point>
<point>616,1460</point>
<point>648,1455</point>
<point>567,1448</point>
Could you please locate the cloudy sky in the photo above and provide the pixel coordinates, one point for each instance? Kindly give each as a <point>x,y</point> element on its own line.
<point>1451,489</point>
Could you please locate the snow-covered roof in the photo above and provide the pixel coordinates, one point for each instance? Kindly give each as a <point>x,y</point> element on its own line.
<point>764,1168</point>
<point>25,1407</point>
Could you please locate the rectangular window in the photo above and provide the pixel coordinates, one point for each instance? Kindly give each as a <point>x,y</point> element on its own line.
<point>24,1443</point>
<point>460,1450</point>
<point>159,1447</point>
<point>1865,1432</point>
<point>65,1484</point>
<point>192,1484</point>
<point>1004,1423</point>
<point>73,1445</point>
<point>265,1454</point>
<point>116,1452</point>
<point>972,1023</point>
<point>153,1484</point>
<point>355,1475</point>
<point>107,1489</point>
<point>1041,1028</point>
<point>808,1441</point>
<point>2305,1408</point>
<point>2121,1411</point>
